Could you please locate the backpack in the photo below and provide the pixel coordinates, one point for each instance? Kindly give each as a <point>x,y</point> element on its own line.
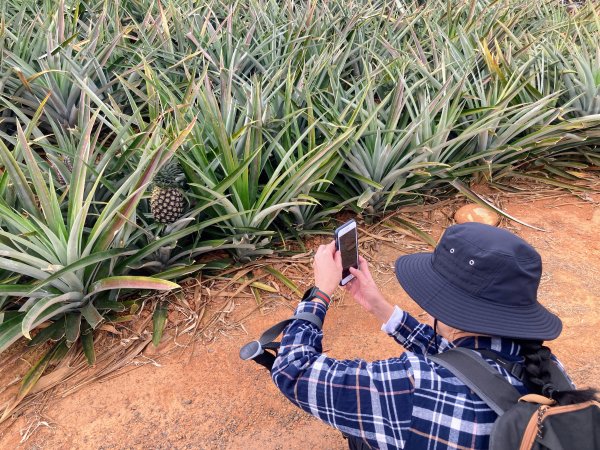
<point>529,422</point>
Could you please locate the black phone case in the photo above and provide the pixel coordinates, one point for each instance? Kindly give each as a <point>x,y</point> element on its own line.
<point>337,247</point>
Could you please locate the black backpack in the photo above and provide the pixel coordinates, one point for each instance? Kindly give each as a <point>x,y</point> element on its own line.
<point>525,422</point>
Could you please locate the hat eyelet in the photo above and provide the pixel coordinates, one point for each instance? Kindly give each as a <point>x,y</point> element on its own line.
<point>471,262</point>
<point>451,250</point>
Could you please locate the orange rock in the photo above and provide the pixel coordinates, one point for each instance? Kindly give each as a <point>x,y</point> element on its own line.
<point>476,213</point>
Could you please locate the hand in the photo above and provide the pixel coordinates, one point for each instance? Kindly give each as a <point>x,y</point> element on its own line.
<point>328,268</point>
<point>366,293</point>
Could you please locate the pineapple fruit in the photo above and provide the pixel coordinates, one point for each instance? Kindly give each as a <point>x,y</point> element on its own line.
<point>167,199</point>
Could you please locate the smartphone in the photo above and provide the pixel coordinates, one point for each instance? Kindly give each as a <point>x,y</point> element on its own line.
<point>346,241</point>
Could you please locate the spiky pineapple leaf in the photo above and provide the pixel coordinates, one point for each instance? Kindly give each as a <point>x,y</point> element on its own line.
<point>87,342</point>
<point>159,320</point>
<point>54,332</point>
<point>42,309</point>
<point>72,328</point>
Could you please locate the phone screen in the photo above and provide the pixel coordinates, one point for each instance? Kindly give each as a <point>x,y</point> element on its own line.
<point>347,244</point>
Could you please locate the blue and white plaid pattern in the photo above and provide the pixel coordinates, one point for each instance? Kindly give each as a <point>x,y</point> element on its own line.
<point>404,402</point>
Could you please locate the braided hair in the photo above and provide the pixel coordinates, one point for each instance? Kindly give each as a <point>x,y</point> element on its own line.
<point>538,379</point>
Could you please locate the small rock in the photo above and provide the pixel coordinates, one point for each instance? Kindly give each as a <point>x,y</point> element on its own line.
<point>476,213</point>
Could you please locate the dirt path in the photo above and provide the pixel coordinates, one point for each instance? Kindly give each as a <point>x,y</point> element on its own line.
<point>212,400</point>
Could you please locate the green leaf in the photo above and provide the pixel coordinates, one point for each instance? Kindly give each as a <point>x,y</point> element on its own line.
<point>92,316</point>
<point>10,331</point>
<point>33,375</point>
<point>41,311</point>
<point>72,328</point>
<point>109,304</point>
<point>47,198</point>
<point>82,263</point>
<point>550,181</point>
<point>87,342</point>
<point>25,193</point>
<point>359,177</point>
<point>364,198</point>
<point>23,290</point>
<point>159,320</point>
<point>178,272</point>
<point>54,332</point>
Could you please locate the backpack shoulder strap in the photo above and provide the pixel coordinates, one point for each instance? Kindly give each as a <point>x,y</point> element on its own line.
<point>558,377</point>
<point>477,374</point>
<point>255,350</point>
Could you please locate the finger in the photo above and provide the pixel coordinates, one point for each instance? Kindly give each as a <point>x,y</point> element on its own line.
<point>358,274</point>
<point>350,286</point>
<point>331,247</point>
<point>337,257</point>
<point>364,266</point>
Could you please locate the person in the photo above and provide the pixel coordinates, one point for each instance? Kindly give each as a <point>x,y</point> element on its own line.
<point>479,288</point>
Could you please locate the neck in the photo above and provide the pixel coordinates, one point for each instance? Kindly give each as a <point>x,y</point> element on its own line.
<point>449,333</point>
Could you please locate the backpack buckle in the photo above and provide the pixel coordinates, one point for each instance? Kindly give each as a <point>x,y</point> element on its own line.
<point>517,371</point>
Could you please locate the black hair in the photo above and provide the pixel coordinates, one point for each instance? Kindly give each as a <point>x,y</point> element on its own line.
<point>538,380</point>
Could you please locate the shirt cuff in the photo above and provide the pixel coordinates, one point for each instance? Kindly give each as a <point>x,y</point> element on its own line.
<point>316,308</point>
<point>394,321</point>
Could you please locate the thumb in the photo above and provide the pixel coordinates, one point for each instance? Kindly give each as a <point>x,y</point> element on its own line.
<point>358,274</point>
<point>331,247</point>
<point>337,257</point>
<point>364,267</point>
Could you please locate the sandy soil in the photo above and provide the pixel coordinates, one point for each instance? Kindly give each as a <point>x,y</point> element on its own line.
<point>209,399</point>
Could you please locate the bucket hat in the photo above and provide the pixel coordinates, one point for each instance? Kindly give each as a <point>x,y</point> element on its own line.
<point>480,279</point>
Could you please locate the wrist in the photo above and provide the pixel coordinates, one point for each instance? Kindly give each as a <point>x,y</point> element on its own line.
<point>316,294</point>
<point>318,300</point>
<point>325,290</point>
<point>381,309</point>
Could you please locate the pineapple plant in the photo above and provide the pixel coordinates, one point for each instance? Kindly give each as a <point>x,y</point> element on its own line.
<point>167,199</point>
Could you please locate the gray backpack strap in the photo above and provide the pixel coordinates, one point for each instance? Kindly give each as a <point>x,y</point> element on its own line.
<point>256,349</point>
<point>470,368</point>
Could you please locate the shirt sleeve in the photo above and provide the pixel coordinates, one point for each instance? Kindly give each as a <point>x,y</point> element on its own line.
<point>413,335</point>
<point>371,401</point>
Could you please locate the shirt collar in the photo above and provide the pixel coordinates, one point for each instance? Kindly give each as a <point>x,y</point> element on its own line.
<point>502,346</point>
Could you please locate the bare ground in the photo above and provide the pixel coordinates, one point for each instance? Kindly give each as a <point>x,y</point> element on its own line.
<point>202,396</point>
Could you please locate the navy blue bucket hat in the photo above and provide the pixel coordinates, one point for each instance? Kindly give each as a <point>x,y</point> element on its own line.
<point>481,279</point>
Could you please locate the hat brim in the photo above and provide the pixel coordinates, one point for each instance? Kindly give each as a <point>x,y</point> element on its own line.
<point>459,309</point>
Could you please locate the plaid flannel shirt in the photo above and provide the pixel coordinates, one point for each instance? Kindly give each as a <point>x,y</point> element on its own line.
<point>404,402</point>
